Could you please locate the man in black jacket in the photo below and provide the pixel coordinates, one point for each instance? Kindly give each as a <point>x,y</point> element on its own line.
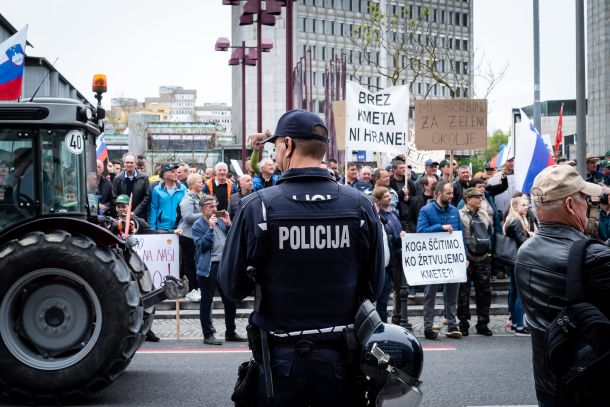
<point>133,181</point>
<point>560,196</point>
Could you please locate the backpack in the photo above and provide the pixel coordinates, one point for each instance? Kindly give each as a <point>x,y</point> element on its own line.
<point>576,344</point>
<point>479,242</point>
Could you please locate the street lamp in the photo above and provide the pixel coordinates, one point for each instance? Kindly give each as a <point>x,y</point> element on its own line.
<point>265,16</point>
<point>245,56</point>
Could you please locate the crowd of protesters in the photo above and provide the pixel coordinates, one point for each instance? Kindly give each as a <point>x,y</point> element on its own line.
<point>198,205</point>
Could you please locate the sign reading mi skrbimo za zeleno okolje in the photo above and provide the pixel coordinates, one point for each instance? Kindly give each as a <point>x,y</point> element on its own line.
<point>434,258</point>
<point>451,124</point>
<point>376,121</point>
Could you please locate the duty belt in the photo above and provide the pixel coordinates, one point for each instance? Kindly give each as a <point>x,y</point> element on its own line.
<point>332,329</point>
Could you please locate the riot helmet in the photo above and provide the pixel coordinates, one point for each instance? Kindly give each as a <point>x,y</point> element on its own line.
<point>393,359</point>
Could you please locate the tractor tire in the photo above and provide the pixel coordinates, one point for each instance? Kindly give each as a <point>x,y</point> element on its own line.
<point>70,317</point>
<point>142,275</point>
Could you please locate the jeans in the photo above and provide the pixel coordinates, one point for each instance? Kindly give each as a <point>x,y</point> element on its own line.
<point>514,303</point>
<point>208,286</point>
<point>384,295</point>
<point>316,379</point>
<point>450,296</point>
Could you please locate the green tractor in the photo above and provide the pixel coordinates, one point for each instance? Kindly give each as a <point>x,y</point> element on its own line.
<point>76,301</point>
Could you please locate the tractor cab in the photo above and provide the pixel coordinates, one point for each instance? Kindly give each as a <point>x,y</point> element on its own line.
<point>47,160</point>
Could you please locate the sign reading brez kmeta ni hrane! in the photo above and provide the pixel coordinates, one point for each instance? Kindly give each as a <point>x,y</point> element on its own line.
<point>376,121</point>
<point>434,258</point>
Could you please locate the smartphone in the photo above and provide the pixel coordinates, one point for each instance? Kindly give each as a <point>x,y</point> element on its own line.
<point>220,214</point>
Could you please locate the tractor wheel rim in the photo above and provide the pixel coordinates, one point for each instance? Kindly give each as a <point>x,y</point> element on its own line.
<point>50,319</point>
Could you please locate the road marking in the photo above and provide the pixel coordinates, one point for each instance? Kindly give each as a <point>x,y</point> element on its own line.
<point>435,348</point>
<point>189,351</point>
<point>192,351</point>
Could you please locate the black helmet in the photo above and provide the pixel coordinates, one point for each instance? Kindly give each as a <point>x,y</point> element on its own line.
<point>393,360</point>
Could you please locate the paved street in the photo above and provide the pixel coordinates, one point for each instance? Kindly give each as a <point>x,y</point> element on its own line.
<point>475,371</point>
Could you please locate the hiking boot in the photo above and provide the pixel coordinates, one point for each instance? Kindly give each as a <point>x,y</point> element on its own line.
<point>431,335</point>
<point>453,333</point>
<point>484,330</point>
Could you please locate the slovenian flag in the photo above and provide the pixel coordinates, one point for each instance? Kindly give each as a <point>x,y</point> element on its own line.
<point>101,150</point>
<point>12,63</point>
<point>531,154</point>
<point>500,158</point>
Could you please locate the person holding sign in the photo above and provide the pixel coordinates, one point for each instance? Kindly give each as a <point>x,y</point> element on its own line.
<point>477,234</point>
<point>440,216</point>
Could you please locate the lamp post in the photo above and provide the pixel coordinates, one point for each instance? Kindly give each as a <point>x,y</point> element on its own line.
<point>243,55</point>
<point>265,16</point>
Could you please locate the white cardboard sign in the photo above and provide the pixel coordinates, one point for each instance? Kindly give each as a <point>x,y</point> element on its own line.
<point>160,253</point>
<point>434,258</point>
<point>376,121</point>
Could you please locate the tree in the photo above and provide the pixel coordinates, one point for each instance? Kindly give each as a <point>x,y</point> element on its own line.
<point>425,46</point>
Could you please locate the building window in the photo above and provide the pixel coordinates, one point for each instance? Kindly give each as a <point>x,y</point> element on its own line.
<point>465,45</point>
<point>457,18</point>
<point>434,15</point>
<point>465,68</point>
<point>465,20</point>
<point>457,43</point>
<point>419,88</point>
<point>320,26</point>
<point>458,67</point>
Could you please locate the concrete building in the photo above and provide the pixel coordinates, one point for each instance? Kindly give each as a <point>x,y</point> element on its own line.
<point>180,100</point>
<point>326,27</point>
<point>598,76</point>
<point>40,73</point>
<point>217,113</point>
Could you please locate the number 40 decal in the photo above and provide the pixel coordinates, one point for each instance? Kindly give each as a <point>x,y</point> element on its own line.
<point>75,141</point>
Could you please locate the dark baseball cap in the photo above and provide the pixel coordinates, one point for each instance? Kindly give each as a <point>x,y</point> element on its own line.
<point>298,124</point>
<point>168,167</point>
<point>430,163</point>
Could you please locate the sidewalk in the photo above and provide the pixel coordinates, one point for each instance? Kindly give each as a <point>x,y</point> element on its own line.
<point>191,328</point>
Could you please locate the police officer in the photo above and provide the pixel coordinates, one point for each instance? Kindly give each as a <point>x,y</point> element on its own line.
<point>317,252</point>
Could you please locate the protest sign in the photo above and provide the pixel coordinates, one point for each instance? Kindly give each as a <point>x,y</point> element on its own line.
<point>376,121</point>
<point>237,168</point>
<point>417,158</point>
<point>160,253</point>
<point>455,124</point>
<point>339,119</point>
<point>434,258</point>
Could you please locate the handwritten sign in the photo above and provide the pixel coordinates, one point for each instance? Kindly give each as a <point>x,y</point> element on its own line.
<point>455,124</point>
<point>376,121</point>
<point>417,158</point>
<point>160,253</point>
<point>434,258</point>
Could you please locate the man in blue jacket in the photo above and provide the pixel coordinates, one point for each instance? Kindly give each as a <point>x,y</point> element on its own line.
<point>165,199</point>
<point>440,216</point>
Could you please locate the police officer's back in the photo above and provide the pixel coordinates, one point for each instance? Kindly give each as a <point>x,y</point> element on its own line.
<point>317,252</point>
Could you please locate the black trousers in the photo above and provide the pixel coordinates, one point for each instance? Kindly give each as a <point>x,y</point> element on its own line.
<point>187,261</point>
<point>314,380</point>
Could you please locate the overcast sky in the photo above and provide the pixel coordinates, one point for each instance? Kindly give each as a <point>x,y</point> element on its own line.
<point>141,45</point>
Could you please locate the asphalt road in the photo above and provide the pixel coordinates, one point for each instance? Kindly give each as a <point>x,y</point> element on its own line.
<point>474,371</point>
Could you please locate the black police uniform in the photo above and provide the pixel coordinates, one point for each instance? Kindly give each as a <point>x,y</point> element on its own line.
<point>318,250</point>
